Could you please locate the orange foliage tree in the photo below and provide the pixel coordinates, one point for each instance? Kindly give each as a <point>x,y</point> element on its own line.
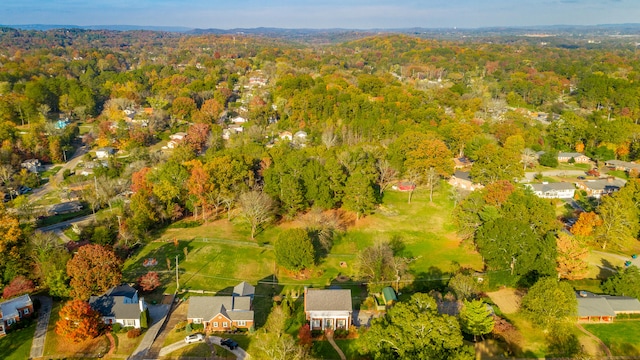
<point>149,281</point>
<point>78,321</point>
<point>498,192</point>
<point>93,270</point>
<point>571,260</point>
<point>586,223</point>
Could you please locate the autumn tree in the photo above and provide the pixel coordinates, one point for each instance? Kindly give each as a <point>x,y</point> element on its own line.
<point>149,281</point>
<point>78,321</point>
<point>586,223</point>
<point>476,318</point>
<point>20,285</point>
<point>93,270</point>
<point>257,209</point>
<point>572,257</point>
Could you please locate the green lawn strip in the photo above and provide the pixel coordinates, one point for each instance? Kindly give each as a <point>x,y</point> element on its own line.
<point>51,340</point>
<point>16,345</point>
<point>324,350</point>
<point>621,337</point>
<point>534,341</point>
<point>196,350</point>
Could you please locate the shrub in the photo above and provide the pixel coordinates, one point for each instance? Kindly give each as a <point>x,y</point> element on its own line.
<point>341,333</point>
<point>180,326</point>
<point>197,327</point>
<point>149,281</point>
<point>144,319</point>
<point>134,333</point>
<point>116,327</point>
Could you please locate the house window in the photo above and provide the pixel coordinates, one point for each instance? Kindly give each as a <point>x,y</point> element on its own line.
<point>197,321</point>
<point>10,321</point>
<point>225,324</point>
<point>241,323</point>
<point>315,323</point>
<point>25,311</point>
<point>215,324</point>
<point>341,323</point>
<point>129,322</point>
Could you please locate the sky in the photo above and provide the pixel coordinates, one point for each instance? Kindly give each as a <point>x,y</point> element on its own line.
<point>320,14</point>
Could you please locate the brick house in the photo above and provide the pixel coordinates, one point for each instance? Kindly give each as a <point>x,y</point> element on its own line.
<point>223,313</point>
<point>14,310</point>
<point>328,309</point>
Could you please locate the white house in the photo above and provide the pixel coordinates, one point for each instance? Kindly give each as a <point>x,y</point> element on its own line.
<point>105,152</point>
<point>121,305</point>
<point>560,190</point>
<point>328,309</point>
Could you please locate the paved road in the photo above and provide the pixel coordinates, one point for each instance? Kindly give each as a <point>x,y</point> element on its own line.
<point>158,315</point>
<point>531,175</point>
<point>58,177</point>
<point>37,347</point>
<point>238,352</point>
<point>65,224</point>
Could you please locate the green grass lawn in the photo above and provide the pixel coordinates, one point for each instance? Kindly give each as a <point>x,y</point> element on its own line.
<point>622,337</point>
<point>16,345</point>
<point>220,254</point>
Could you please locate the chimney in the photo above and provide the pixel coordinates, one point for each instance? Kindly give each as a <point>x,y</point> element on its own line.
<point>142,304</point>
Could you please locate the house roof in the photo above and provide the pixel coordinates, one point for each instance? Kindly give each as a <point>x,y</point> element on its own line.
<point>115,306</point>
<point>570,155</point>
<point>231,307</point>
<point>545,187</point>
<point>244,289</point>
<point>590,304</point>
<point>594,306</point>
<point>9,308</point>
<point>66,207</point>
<point>464,175</point>
<point>604,184</point>
<point>620,163</point>
<point>389,294</point>
<point>328,300</point>
<point>122,290</point>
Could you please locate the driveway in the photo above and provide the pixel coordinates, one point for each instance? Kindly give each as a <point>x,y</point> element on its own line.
<point>158,315</point>
<point>178,313</point>
<point>37,347</point>
<point>238,352</point>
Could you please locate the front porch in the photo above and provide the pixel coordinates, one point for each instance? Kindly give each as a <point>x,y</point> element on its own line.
<point>333,323</point>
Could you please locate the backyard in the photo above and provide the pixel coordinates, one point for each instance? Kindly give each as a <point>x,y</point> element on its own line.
<point>621,337</point>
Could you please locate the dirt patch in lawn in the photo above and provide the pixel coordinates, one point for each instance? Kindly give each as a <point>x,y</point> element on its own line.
<point>508,300</point>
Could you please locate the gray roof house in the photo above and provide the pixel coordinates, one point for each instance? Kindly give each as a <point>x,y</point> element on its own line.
<point>577,157</point>
<point>65,207</point>
<point>121,305</point>
<point>599,187</point>
<point>604,308</point>
<point>13,310</point>
<point>222,313</point>
<point>328,308</point>
<point>559,190</point>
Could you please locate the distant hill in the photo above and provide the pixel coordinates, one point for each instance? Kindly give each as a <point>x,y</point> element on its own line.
<point>45,27</point>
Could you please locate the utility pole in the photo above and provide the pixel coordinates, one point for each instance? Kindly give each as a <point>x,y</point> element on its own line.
<point>177,280</point>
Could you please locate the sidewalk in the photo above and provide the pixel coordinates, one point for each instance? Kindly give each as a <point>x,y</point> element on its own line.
<point>37,347</point>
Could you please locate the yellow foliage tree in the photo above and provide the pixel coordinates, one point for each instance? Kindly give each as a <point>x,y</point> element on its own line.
<point>587,221</point>
<point>572,255</point>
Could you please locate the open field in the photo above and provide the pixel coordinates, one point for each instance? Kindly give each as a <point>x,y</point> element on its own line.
<point>621,337</point>
<point>219,254</point>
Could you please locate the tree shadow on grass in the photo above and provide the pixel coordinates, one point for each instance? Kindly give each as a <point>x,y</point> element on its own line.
<point>266,289</point>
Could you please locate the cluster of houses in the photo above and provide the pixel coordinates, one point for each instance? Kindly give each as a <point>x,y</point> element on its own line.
<point>324,308</point>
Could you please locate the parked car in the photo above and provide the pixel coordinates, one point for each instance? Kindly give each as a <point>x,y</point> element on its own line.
<point>581,177</point>
<point>230,343</point>
<point>193,338</point>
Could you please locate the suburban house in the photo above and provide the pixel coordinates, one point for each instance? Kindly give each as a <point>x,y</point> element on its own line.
<point>14,310</point>
<point>599,187</point>
<point>300,137</point>
<point>32,165</point>
<point>222,313</point>
<point>604,308</point>
<point>462,180</point>
<point>559,190</point>
<point>579,158</point>
<point>622,165</point>
<point>176,139</point>
<point>328,308</point>
<point>462,162</point>
<point>105,152</point>
<point>121,305</point>
<point>65,207</point>
<point>238,120</point>
<point>286,135</point>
